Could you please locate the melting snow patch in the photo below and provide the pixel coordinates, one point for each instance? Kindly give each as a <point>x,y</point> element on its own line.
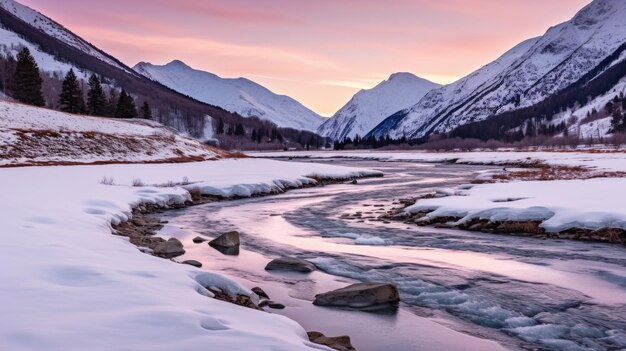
<point>370,240</point>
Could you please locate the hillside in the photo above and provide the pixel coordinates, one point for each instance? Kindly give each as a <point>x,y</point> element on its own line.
<point>38,136</point>
<point>528,74</point>
<point>239,95</point>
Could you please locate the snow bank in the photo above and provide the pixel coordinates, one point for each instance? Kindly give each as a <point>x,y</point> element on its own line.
<point>608,161</point>
<point>562,204</point>
<point>68,284</point>
<point>31,135</point>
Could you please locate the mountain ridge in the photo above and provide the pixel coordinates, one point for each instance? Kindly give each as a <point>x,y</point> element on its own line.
<point>240,95</point>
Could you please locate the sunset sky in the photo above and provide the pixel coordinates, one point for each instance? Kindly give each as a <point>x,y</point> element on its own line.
<point>319,52</point>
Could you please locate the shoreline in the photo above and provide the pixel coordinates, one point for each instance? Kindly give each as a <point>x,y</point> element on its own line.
<point>141,229</point>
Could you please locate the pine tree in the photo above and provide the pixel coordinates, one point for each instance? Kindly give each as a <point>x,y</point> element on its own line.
<point>253,136</point>
<point>27,81</point>
<point>239,130</point>
<point>220,127</point>
<point>111,105</point>
<point>125,106</point>
<point>71,98</point>
<point>146,112</point>
<point>7,70</point>
<point>617,120</point>
<point>96,101</point>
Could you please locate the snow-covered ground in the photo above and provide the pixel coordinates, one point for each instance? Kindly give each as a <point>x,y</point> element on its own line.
<point>603,161</point>
<point>559,205</point>
<point>31,135</point>
<point>68,284</point>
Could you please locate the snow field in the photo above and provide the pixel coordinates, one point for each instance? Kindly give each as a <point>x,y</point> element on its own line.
<point>71,285</point>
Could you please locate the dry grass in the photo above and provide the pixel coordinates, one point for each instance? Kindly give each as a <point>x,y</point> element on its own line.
<point>107,181</point>
<point>137,182</point>
<point>546,173</point>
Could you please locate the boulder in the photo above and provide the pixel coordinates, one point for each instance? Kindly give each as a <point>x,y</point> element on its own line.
<point>340,343</point>
<point>260,292</point>
<point>360,295</point>
<point>290,264</point>
<point>199,240</point>
<point>193,263</point>
<point>227,240</point>
<point>169,249</point>
<point>354,181</point>
<point>275,305</point>
<point>229,251</point>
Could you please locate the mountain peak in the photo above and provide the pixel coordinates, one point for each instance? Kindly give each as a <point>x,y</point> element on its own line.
<point>178,63</point>
<point>402,75</point>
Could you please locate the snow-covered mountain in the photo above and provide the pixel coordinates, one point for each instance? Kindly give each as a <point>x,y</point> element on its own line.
<point>525,75</point>
<point>53,29</point>
<point>369,107</point>
<point>239,95</point>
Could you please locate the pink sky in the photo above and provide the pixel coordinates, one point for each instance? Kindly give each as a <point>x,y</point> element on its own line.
<point>319,52</point>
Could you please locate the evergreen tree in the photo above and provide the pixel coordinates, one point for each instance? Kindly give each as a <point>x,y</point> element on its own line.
<point>239,130</point>
<point>146,112</point>
<point>7,70</point>
<point>125,106</point>
<point>96,101</point>
<point>220,127</point>
<point>27,81</point>
<point>71,98</point>
<point>253,137</point>
<point>111,105</point>
<point>617,120</point>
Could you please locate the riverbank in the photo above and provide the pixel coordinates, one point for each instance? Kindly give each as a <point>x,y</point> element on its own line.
<point>460,290</point>
<point>108,294</point>
<point>562,195</point>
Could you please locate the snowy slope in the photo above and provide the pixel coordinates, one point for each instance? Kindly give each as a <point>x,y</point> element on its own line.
<point>368,108</point>
<point>31,136</point>
<point>11,43</point>
<point>55,30</point>
<point>239,95</point>
<point>532,71</point>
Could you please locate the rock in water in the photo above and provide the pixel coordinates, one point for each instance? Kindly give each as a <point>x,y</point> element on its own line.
<point>341,343</point>
<point>169,249</point>
<point>230,239</point>
<point>260,292</point>
<point>275,305</point>
<point>360,295</point>
<point>193,263</point>
<point>199,239</point>
<point>290,264</point>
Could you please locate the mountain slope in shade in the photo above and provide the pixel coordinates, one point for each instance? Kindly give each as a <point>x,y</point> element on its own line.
<point>368,108</point>
<point>239,95</point>
<point>524,76</point>
<point>57,31</point>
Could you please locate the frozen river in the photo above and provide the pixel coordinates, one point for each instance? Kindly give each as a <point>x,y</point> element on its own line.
<point>459,290</point>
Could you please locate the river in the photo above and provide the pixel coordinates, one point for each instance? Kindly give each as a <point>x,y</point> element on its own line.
<point>460,290</point>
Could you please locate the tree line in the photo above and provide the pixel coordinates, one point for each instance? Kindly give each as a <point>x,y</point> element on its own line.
<point>26,87</point>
